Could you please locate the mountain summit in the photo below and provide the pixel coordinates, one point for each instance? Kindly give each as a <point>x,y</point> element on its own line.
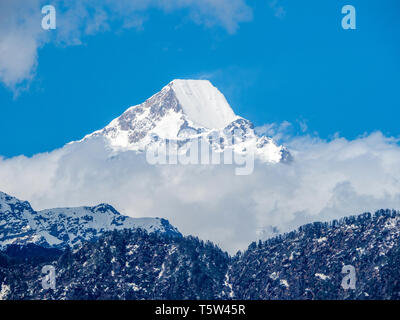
<point>182,111</point>
<point>202,103</point>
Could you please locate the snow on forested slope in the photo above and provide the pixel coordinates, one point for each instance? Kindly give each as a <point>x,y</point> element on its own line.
<point>20,224</point>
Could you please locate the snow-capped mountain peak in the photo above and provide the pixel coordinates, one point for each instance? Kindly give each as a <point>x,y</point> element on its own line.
<point>182,111</point>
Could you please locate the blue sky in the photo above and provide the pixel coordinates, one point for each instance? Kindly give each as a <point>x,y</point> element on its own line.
<point>301,66</point>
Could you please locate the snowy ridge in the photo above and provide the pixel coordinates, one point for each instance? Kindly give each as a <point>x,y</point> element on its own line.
<point>182,111</point>
<point>16,221</point>
<point>20,224</point>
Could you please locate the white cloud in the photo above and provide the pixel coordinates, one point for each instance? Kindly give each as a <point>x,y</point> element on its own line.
<point>279,131</point>
<point>21,35</point>
<point>326,180</point>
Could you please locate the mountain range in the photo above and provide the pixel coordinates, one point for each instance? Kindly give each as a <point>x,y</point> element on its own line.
<point>62,227</point>
<point>134,264</point>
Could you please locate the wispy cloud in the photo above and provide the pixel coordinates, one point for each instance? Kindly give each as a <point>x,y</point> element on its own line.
<point>279,10</point>
<point>21,35</point>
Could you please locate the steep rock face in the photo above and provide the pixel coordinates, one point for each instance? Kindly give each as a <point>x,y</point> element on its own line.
<point>20,224</point>
<point>182,111</point>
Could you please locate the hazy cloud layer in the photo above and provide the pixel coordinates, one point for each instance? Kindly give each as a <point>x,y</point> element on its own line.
<point>21,35</point>
<point>327,180</point>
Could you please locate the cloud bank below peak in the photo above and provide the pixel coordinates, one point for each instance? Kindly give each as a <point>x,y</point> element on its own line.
<point>327,180</point>
<point>21,34</point>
